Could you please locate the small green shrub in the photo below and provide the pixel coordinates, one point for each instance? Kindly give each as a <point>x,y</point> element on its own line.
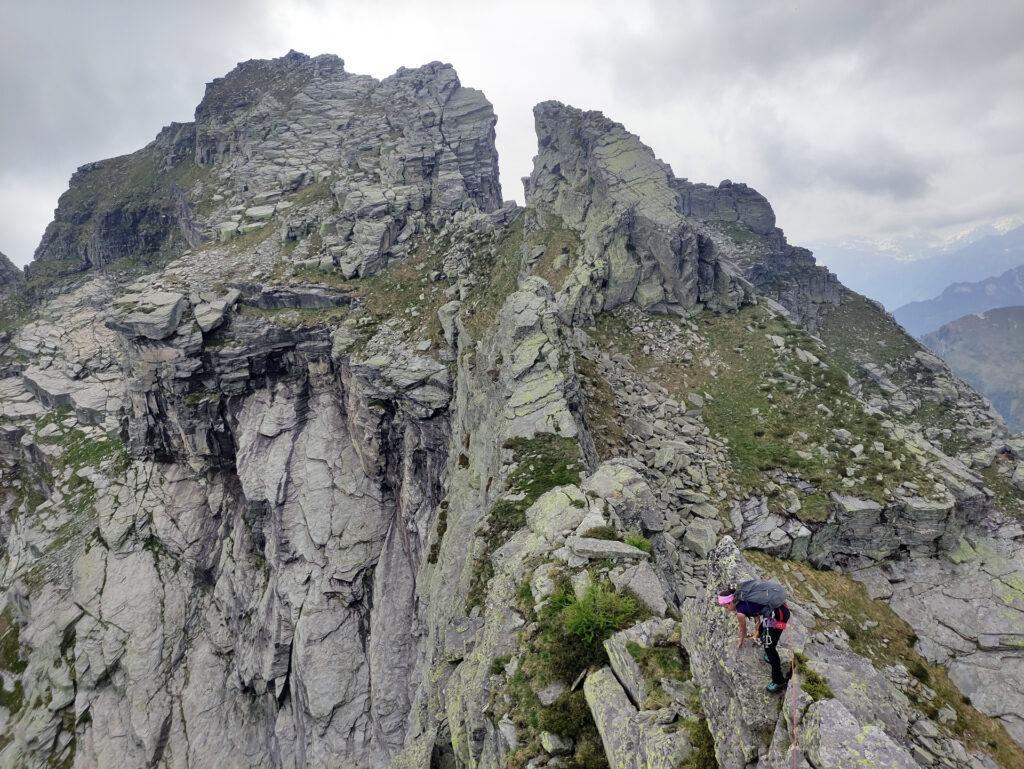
<point>602,532</point>
<point>810,681</point>
<point>660,661</point>
<point>920,672</point>
<point>442,527</point>
<point>639,541</point>
<point>600,613</point>
<point>568,715</point>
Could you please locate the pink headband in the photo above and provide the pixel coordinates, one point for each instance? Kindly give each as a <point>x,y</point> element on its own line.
<point>724,600</point>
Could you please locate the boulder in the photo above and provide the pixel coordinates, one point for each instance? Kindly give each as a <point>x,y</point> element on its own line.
<point>556,745</point>
<point>588,547</point>
<point>642,580</point>
<point>630,742</point>
<point>557,512</point>
<point>147,314</point>
<point>832,737</point>
<point>701,536</point>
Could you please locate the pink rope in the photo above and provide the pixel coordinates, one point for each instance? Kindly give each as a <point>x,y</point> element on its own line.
<point>794,685</point>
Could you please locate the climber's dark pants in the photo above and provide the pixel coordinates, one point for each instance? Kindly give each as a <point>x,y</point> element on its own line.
<point>772,652</point>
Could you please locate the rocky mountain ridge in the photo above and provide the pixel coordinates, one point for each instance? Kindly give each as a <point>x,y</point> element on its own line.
<point>960,299</point>
<point>315,453</point>
<point>987,349</point>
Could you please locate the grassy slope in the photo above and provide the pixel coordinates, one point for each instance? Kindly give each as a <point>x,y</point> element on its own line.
<point>859,331</point>
<point>768,419</point>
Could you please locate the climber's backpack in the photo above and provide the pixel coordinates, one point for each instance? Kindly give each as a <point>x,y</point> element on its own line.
<point>771,595</point>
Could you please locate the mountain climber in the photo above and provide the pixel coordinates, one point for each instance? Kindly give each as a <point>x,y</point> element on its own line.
<point>765,601</point>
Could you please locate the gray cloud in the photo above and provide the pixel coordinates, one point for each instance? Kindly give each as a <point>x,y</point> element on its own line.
<point>870,164</point>
<point>854,119</point>
<point>882,121</point>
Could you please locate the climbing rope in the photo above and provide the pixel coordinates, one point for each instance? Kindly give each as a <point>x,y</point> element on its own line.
<point>794,686</point>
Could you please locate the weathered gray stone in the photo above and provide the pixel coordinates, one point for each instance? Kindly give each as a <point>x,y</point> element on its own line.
<point>629,742</point>
<point>557,512</point>
<point>834,738</point>
<point>556,745</point>
<point>293,559</point>
<point>650,255</point>
<point>643,580</point>
<point>153,314</point>
<point>588,547</point>
<point>700,536</point>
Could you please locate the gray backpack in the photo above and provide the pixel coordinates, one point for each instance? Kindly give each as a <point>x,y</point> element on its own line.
<point>769,594</point>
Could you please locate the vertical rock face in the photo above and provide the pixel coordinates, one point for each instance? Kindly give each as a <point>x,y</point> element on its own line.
<point>728,202</point>
<point>372,470</point>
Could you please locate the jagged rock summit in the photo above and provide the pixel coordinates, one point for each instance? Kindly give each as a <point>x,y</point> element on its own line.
<point>390,152</point>
<point>315,453</point>
<point>9,273</point>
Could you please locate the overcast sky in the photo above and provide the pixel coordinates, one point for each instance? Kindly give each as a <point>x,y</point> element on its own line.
<point>892,122</point>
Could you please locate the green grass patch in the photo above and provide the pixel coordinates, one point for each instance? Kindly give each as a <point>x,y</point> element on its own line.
<point>600,411</point>
<point>568,640</point>
<point>810,681</point>
<point>296,317</point>
<point>11,662</point>
<point>439,532</point>
<point>639,541</point>
<point>501,273</point>
<point>404,289</point>
<point>775,411</point>
<point>561,245</point>
<point>739,233</point>
<point>660,662</point>
<point>541,464</point>
<point>599,613</point>
<point>1007,496</point>
<point>703,743</point>
<point>858,331</point>
<point>607,533</point>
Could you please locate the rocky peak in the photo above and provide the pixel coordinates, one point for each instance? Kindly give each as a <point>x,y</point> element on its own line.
<point>389,154</point>
<point>9,273</point>
<point>606,184</point>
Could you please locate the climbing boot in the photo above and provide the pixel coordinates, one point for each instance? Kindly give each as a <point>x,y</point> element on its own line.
<point>774,688</point>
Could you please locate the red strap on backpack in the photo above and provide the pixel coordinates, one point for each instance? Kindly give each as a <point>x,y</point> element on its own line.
<point>777,622</point>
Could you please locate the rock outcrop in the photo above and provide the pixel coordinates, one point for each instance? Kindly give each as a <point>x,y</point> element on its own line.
<point>10,275</point>
<point>605,184</point>
<point>341,461</point>
<point>389,152</point>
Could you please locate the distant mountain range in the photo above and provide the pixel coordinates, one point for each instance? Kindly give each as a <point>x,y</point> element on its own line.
<point>895,282</point>
<point>987,350</point>
<point>959,299</point>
